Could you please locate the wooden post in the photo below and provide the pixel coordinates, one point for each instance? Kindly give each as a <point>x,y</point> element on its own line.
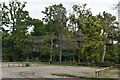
<point>99,72</point>
<point>96,74</point>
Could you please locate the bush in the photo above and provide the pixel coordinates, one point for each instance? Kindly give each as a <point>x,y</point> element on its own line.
<point>105,64</point>
<point>83,64</point>
<point>27,64</point>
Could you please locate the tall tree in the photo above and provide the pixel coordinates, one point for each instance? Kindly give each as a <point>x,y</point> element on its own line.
<point>55,18</point>
<point>92,47</point>
<point>14,15</point>
<point>18,21</point>
<point>80,13</point>
<point>109,25</point>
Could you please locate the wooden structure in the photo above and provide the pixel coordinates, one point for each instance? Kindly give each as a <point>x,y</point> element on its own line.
<point>109,41</point>
<point>99,72</point>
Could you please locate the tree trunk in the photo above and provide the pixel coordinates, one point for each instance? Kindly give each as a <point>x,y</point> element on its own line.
<point>51,55</point>
<point>78,55</point>
<point>104,52</point>
<point>73,59</point>
<point>60,46</point>
<point>60,58</point>
<point>78,51</point>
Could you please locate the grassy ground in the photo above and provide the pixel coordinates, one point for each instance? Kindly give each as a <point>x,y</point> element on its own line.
<point>63,74</point>
<point>70,75</point>
<point>82,65</point>
<point>75,64</point>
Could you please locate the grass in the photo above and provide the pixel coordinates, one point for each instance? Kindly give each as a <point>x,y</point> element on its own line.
<point>73,76</point>
<point>63,74</point>
<point>109,74</point>
<point>76,64</point>
<point>104,74</point>
<point>116,68</point>
<point>88,74</point>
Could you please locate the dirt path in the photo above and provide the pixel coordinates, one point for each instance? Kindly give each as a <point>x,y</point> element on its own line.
<point>45,71</point>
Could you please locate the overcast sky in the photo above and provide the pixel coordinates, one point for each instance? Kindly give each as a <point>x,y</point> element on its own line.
<point>36,6</point>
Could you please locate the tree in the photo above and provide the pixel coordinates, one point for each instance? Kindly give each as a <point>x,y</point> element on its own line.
<point>55,18</point>
<point>39,28</point>
<point>80,13</point>
<point>109,25</point>
<point>13,15</point>
<point>92,47</point>
<point>18,21</point>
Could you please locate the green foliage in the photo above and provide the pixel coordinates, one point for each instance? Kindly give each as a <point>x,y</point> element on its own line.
<point>79,35</point>
<point>55,18</point>
<point>108,23</point>
<point>27,64</point>
<point>39,28</point>
<point>14,39</point>
<point>92,51</point>
<point>105,64</point>
<point>112,53</point>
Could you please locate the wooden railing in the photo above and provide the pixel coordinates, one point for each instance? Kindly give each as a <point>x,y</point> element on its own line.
<point>101,72</point>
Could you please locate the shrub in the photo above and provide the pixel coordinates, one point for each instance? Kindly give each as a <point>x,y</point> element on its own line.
<point>105,64</point>
<point>27,64</point>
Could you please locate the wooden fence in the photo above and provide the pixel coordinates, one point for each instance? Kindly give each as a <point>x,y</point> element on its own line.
<point>23,64</point>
